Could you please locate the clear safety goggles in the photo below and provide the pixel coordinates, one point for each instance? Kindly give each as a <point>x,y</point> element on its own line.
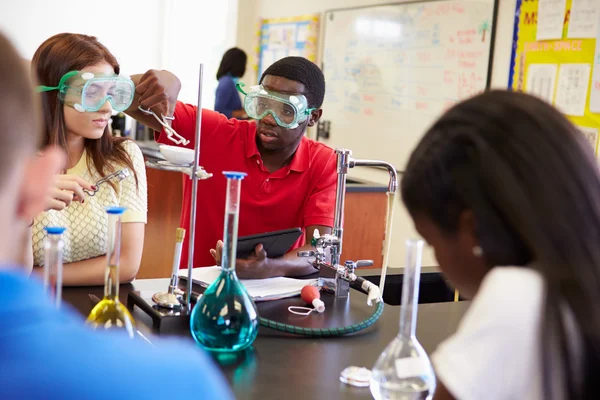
<point>87,92</point>
<point>288,110</point>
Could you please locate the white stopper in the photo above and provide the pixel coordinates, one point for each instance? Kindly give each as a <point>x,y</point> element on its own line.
<point>318,305</point>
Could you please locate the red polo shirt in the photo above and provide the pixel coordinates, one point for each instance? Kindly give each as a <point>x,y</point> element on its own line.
<point>300,194</point>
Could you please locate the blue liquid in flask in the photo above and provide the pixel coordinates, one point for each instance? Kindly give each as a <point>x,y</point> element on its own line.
<point>225,318</point>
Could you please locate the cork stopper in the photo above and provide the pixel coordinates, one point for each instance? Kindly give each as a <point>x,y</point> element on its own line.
<point>179,235</point>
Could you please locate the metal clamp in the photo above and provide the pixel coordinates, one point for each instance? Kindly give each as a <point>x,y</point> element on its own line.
<point>350,266</point>
<point>171,134</point>
<point>118,175</point>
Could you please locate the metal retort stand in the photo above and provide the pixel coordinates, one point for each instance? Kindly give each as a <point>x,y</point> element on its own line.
<point>170,314</point>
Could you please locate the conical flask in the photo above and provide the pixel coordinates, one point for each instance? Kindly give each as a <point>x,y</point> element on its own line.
<point>403,371</point>
<point>225,318</point>
<point>110,313</point>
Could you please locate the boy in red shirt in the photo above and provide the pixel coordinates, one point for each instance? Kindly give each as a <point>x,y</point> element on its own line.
<point>291,179</point>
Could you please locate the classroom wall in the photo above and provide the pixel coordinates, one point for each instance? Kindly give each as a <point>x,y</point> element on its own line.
<point>250,13</point>
<point>142,34</point>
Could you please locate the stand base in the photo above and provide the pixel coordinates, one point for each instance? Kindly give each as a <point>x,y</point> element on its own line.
<point>164,321</point>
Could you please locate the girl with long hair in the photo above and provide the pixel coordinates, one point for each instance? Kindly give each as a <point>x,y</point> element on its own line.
<point>231,69</point>
<point>80,87</point>
<point>507,192</point>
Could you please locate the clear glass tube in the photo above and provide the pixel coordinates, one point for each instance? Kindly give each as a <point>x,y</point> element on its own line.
<point>113,256</point>
<point>53,263</point>
<point>403,371</point>
<point>110,313</point>
<point>225,319</point>
<point>410,288</point>
<point>230,231</point>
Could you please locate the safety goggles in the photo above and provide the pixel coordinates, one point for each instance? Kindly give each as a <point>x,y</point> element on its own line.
<point>87,92</point>
<point>288,110</point>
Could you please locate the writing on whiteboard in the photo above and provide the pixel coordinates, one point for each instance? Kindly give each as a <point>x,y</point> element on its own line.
<point>412,62</point>
<point>443,10</point>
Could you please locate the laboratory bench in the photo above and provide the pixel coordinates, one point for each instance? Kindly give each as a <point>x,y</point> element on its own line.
<point>284,366</point>
<point>364,230</point>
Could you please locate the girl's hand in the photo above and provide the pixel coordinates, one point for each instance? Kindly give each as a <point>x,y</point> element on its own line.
<point>67,188</point>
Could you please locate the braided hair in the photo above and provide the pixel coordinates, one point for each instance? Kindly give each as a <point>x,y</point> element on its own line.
<point>532,183</point>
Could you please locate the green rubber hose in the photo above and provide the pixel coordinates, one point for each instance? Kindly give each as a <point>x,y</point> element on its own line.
<point>325,332</point>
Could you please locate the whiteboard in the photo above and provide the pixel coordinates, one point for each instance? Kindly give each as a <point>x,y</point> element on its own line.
<point>392,70</point>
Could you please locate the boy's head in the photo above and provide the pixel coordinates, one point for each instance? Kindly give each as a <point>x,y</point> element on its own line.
<point>290,77</point>
<point>24,177</point>
<point>301,70</point>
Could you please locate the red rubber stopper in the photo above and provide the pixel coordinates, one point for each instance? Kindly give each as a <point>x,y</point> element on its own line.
<point>309,293</point>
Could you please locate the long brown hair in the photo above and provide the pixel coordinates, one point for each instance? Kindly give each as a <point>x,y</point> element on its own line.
<point>55,57</point>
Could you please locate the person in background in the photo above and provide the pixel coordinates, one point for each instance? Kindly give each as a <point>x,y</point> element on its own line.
<point>47,352</point>
<point>80,87</point>
<point>291,179</point>
<point>231,69</point>
<point>507,192</point>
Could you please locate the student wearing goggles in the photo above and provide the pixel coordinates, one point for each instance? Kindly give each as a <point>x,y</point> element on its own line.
<point>81,88</point>
<point>289,175</point>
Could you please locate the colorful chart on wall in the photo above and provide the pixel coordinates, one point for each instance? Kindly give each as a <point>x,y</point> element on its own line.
<point>556,56</point>
<point>283,37</point>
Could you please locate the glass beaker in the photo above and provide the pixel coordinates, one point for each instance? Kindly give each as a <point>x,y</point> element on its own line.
<point>225,318</point>
<point>53,262</point>
<point>403,371</point>
<point>110,313</point>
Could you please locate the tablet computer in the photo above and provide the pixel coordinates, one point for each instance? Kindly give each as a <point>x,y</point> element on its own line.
<point>276,243</point>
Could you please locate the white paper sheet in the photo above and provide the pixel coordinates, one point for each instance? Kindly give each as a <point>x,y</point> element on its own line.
<point>267,58</point>
<point>571,93</point>
<point>258,289</point>
<point>551,18</point>
<point>282,36</point>
<point>541,81</point>
<point>595,88</point>
<point>302,34</point>
<point>591,134</point>
<point>583,22</point>
<point>295,53</point>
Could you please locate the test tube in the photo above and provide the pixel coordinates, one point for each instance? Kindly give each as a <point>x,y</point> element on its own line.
<point>232,213</point>
<point>179,236</point>
<point>113,253</point>
<point>53,262</point>
<point>410,288</point>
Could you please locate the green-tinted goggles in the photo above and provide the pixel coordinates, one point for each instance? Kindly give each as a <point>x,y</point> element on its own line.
<point>87,92</point>
<point>288,110</point>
